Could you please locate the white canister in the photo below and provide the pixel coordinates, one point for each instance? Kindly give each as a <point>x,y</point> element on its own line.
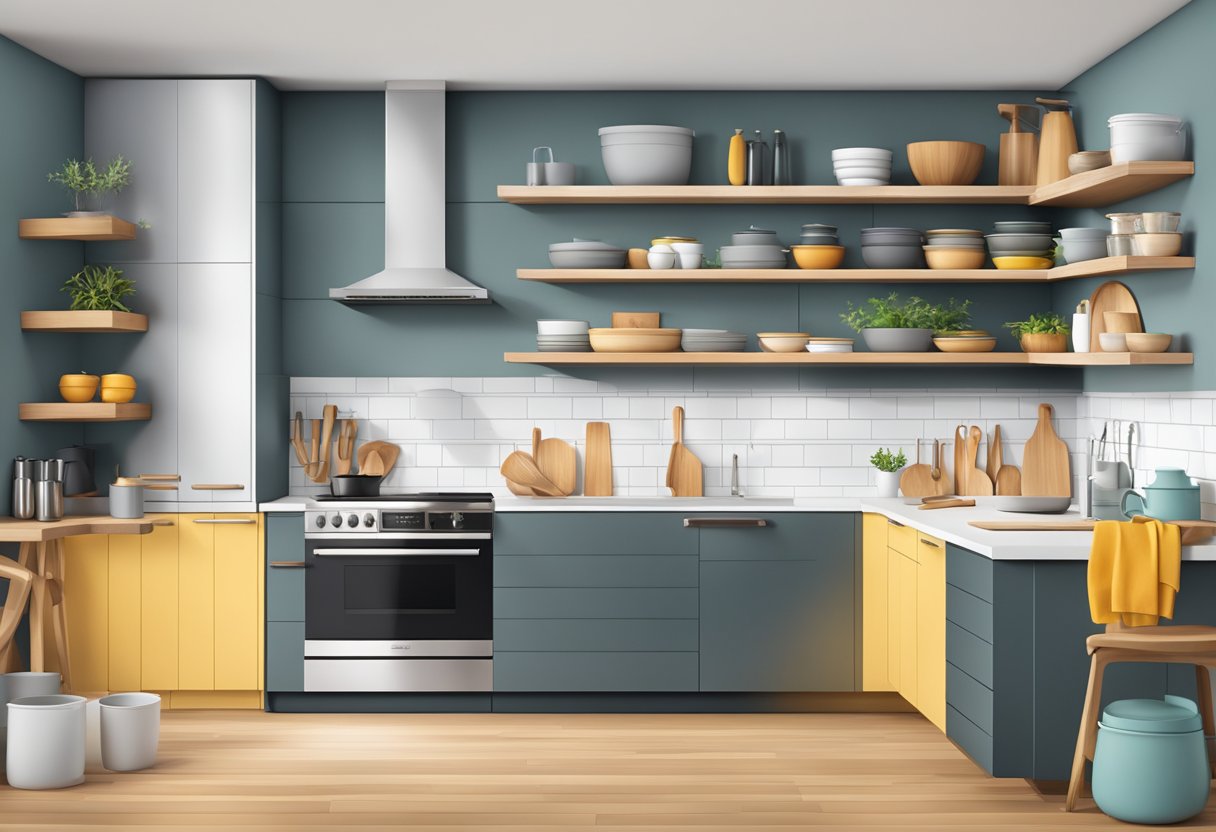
<point>1146,137</point>
<point>46,740</point>
<point>888,483</point>
<point>130,731</point>
<point>1080,332</point>
<point>19,686</point>
<point>127,501</point>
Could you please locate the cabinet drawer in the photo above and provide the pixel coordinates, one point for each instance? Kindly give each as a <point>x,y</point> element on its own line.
<point>969,698</point>
<point>901,538</point>
<point>967,735</point>
<point>595,603</point>
<point>969,571</point>
<point>596,571</point>
<point>783,537</point>
<point>595,635</point>
<point>599,672</point>
<point>969,653</point>
<point>969,612</point>
<point>601,533</point>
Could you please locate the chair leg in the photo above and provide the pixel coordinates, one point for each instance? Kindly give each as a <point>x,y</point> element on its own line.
<point>1203,683</point>
<point>1089,725</point>
<point>39,599</point>
<point>59,612</point>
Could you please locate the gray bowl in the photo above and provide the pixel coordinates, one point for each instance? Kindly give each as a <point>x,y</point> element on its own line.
<point>588,259</point>
<point>818,228</point>
<point>819,240</point>
<point>1076,251</point>
<point>917,239</point>
<point>1019,242</point>
<point>898,340</point>
<point>955,242</point>
<point>893,256</point>
<point>1022,227</point>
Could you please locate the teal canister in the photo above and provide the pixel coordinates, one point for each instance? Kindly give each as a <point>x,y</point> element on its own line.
<point>1171,496</point>
<point>1151,762</point>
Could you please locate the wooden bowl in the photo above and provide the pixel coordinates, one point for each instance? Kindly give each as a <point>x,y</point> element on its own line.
<point>946,163</point>
<point>965,344</point>
<point>1148,341</point>
<point>818,257</point>
<point>1085,160</point>
<point>1122,321</point>
<point>944,257</point>
<point>783,341</point>
<point>1042,342</point>
<point>635,340</point>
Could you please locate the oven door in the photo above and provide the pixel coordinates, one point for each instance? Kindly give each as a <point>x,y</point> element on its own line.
<point>429,587</point>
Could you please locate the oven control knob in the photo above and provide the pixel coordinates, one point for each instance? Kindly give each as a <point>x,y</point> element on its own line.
<point>320,521</point>
<point>352,520</point>
<point>336,520</point>
<point>369,519</point>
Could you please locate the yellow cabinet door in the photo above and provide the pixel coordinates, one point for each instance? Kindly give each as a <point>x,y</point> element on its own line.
<point>158,603</point>
<point>87,600</point>
<point>908,659</point>
<point>125,612</point>
<point>238,592</point>
<point>894,641</point>
<point>874,623</point>
<point>196,602</point>
<point>931,629</point>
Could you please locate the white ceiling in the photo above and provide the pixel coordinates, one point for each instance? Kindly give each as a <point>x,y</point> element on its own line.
<point>590,44</point>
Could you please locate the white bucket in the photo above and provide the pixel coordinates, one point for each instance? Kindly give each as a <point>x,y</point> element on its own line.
<point>1146,137</point>
<point>130,731</point>
<point>19,686</point>
<point>46,742</point>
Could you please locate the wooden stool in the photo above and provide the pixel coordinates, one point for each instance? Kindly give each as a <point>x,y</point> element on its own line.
<point>20,582</point>
<point>1189,644</point>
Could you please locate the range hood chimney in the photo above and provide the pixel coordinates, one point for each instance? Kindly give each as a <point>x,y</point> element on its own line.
<point>415,205</point>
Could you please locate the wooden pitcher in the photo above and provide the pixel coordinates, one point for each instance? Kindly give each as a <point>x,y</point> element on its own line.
<point>1057,141</point>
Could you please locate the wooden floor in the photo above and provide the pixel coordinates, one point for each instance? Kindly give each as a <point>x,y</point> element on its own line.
<point>249,770</point>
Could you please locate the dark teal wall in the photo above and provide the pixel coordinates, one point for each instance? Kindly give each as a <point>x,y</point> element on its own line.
<point>333,226</point>
<point>44,125</point>
<point>1169,69</point>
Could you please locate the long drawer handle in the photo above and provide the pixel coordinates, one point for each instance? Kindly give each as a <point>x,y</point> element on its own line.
<point>227,521</point>
<point>165,477</point>
<point>148,487</point>
<point>930,543</point>
<point>395,552</point>
<point>891,522</point>
<point>724,523</point>
<point>217,486</point>
<point>290,564</point>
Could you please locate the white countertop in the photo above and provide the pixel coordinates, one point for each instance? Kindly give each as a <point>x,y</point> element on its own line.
<point>700,504</point>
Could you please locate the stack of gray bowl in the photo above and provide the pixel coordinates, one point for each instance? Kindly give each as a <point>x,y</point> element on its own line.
<point>955,238</point>
<point>818,234</point>
<point>1079,244</point>
<point>586,254</point>
<point>712,340</point>
<point>1020,238</point>
<point>893,248</point>
<point>755,248</point>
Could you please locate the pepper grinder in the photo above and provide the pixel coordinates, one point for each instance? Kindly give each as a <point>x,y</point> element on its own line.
<point>781,159</point>
<point>758,170</point>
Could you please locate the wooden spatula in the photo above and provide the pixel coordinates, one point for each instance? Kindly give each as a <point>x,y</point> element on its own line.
<point>387,453</point>
<point>1008,479</point>
<point>685,472</point>
<point>960,453</point>
<point>975,481</point>
<point>347,432</point>
<point>520,468</point>
<point>329,415</point>
<point>558,461</point>
<point>1045,465</point>
<point>597,465</point>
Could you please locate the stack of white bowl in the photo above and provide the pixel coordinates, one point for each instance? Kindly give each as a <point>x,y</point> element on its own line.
<point>712,340</point>
<point>563,336</point>
<point>862,165</point>
<point>826,345</point>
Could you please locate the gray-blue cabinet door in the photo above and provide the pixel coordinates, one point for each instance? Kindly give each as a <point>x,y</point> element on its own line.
<point>285,582</point>
<point>285,656</point>
<point>778,625</point>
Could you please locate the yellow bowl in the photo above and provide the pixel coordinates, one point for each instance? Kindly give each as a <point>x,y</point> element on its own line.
<point>666,241</point>
<point>965,344</point>
<point>818,257</point>
<point>78,387</point>
<point>117,388</point>
<point>944,257</point>
<point>1022,262</point>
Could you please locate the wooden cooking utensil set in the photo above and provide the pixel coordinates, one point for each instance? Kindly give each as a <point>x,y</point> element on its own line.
<point>374,458</point>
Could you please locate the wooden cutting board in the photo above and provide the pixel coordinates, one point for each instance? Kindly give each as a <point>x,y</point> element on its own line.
<point>917,480</point>
<point>685,475</point>
<point>975,481</point>
<point>1045,466</point>
<point>1193,531</point>
<point>1111,296</point>
<point>557,460</point>
<point>597,466</point>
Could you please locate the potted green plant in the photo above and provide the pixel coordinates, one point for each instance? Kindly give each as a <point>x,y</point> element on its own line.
<point>99,288</point>
<point>1047,332</point>
<point>888,325</point>
<point>89,185</point>
<point>889,466</point>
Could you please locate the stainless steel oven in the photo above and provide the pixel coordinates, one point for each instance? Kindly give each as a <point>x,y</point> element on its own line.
<point>399,594</point>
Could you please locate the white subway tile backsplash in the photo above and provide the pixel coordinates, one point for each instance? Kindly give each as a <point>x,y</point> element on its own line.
<point>437,407</point>
<point>390,407</point>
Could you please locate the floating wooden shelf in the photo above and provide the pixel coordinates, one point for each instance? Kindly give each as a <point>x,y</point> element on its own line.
<point>1063,359</point>
<point>1093,189</point>
<point>80,320</point>
<point>1089,268</point>
<point>84,412</point>
<point>100,227</point>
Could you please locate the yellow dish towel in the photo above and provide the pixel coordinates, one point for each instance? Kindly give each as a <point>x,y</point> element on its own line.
<point>1134,571</point>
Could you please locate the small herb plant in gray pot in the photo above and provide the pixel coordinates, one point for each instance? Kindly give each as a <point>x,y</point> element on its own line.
<point>888,325</point>
<point>88,185</point>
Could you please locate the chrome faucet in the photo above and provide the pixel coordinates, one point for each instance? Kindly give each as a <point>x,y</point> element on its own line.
<point>734,476</point>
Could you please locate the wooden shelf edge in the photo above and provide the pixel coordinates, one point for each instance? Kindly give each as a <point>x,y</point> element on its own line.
<point>83,412</point>
<point>1111,184</point>
<point>101,227</point>
<point>1088,268</point>
<point>81,320</point>
<point>848,359</point>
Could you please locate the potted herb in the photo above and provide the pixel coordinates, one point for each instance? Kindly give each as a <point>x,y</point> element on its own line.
<point>1041,333</point>
<point>86,183</point>
<point>889,466</point>
<point>887,325</point>
<point>99,288</point>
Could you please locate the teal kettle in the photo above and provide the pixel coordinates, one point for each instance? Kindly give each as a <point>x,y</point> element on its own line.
<point>1171,496</point>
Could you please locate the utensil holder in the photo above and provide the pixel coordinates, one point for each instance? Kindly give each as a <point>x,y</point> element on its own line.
<point>46,742</point>
<point>130,731</point>
<point>127,501</point>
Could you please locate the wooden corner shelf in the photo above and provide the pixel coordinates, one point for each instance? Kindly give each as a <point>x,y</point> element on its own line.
<point>99,227</point>
<point>797,359</point>
<point>81,320</point>
<point>1089,268</point>
<point>1108,185</point>
<point>84,412</point>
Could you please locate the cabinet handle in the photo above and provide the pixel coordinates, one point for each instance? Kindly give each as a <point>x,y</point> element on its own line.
<point>167,477</point>
<point>290,564</point>
<point>220,486</point>
<point>158,487</point>
<point>227,521</point>
<point>724,523</point>
<point>891,522</point>
<point>930,543</point>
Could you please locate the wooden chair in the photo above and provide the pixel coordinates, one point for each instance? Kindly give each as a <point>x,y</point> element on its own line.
<point>1183,644</point>
<point>20,582</point>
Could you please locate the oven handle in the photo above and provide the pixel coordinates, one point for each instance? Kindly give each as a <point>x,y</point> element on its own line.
<point>394,552</point>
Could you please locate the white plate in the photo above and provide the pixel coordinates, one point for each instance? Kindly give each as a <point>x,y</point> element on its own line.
<point>1032,505</point>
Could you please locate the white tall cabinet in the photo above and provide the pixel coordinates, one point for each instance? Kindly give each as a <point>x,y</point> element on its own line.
<point>193,148</point>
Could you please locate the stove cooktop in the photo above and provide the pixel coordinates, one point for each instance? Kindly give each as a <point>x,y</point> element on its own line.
<point>420,496</point>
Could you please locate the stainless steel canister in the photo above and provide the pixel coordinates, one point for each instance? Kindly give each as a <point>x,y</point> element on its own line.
<point>23,488</point>
<point>48,495</point>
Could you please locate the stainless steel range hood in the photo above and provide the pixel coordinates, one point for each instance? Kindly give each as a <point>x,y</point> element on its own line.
<point>415,205</point>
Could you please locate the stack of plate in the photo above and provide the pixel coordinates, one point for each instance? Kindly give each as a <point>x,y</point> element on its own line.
<point>712,340</point>
<point>562,336</point>
<point>586,254</point>
<point>822,345</point>
<point>967,340</point>
<point>1021,244</point>
<point>862,165</point>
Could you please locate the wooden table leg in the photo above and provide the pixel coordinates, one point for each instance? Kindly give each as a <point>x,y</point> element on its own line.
<point>38,599</point>
<point>19,581</point>
<point>57,567</point>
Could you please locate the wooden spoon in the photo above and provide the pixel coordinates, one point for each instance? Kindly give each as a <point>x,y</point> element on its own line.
<point>977,482</point>
<point>519,467</point>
